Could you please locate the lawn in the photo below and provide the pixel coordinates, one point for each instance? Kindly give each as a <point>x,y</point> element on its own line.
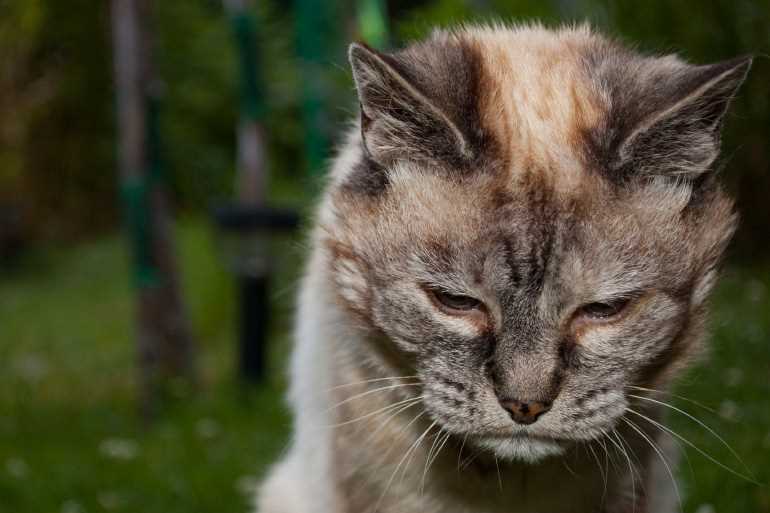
<point>71,440</point>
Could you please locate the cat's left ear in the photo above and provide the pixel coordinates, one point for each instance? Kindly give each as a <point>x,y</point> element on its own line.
<point>680,134</point>
<point>402,116</point>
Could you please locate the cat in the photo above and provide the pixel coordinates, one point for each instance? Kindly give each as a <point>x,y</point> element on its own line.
<point>511,263</point>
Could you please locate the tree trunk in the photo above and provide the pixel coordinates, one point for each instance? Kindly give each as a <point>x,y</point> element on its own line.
<point>164,341</point>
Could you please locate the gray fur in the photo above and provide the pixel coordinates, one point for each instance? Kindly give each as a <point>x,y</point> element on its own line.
<point>535,208</point>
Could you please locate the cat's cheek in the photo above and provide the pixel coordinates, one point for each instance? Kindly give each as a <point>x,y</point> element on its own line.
<point>650,324</point>
<point>597,340</point>
<point>351,282</point>
<point>702,289</point>
<point>626,347</point>
<point>458,327</point>
<point>351,285</point>
<point>601,345</point>
<point>413,316</point>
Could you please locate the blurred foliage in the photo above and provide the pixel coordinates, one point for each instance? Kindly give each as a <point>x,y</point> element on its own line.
<point>71,439</point>
<point>56,110</point>
<point>57,154</point>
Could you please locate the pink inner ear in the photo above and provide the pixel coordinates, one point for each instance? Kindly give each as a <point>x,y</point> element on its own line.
<point>401,118</point>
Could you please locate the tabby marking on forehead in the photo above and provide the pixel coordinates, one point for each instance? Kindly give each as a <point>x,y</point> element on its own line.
<point>538,101</point>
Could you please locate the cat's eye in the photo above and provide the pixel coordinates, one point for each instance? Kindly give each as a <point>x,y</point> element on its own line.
<point>454,303</point>
<point>603,310</point>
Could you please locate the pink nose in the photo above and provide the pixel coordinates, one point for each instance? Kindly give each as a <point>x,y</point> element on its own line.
<point>525,412</point>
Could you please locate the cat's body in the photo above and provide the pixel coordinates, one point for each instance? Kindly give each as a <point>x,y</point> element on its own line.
<point>512,247</point>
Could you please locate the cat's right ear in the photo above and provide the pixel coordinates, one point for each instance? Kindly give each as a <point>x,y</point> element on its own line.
<point>399,120</point>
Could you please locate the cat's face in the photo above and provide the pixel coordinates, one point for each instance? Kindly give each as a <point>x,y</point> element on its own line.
<point>526,285</point>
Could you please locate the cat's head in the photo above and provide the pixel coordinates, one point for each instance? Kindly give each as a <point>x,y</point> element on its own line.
<point>530,220</point>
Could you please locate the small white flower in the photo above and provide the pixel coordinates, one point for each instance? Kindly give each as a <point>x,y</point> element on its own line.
<point>31,367</point>
<point>119,448</point>
<point>17,467</point>
<point>766,441</point>
<point>756,291</point>
<point>109,500</point>
<point>207,428</point>
<point>71,506</point>
<point>733,376</point>
<point>168,431</point>
<point>754,333</point>
<point>729,410</point>
<point>246,484</point>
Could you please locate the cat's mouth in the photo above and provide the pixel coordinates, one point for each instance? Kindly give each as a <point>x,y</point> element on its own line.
<point>508,433</point>
<point>526,447</point>
<point>523,437</point>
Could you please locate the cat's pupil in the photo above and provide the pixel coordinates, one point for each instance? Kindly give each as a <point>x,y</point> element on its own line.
<point>604,310</point>
<point>456,301</point>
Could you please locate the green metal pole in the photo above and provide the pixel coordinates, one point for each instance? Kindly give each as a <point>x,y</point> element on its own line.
<point>251,175</point>
<point>318,32</point>
<point>165,345</point>
<point>137,191</point>
<point>244,30</point>
<point>315,37</point>
<point>373,22</point>
<point>251,188</point>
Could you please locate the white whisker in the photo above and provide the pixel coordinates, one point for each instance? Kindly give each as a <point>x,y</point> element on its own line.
<point>430,461</point>
<point>369,392</point>
<point>615,444</point>
<point>681,397</point>
<point>660,455</point>
<point>630,469</point>
<point>399,435</point>
<point>460,452</point>
<point>401,431</point>
<point>376,412</point>
<point>409,451</point>
<point>428,458</point>
<point>695,447</point>
<point>470,459</point>
<point>371,381</point>
<point>608,460</point>
<point>601,470</point>
<point>499,478</point>
<point>569,469</point>
<point>697,421</point>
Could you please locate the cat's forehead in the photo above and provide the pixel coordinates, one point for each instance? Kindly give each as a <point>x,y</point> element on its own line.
<point>539,101</point>
<point>486,127</point>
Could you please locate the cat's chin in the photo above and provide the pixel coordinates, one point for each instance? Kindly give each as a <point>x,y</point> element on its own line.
<point>522,448</point>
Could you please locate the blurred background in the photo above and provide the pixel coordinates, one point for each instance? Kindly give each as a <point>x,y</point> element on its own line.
<point>158,163</point>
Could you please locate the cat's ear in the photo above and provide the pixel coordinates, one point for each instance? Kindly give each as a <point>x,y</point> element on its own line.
<point>680,133</point>
<point>399,118</point>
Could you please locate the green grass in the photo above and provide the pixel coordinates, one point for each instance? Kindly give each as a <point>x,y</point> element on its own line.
<point>71,440</point>
<point>735,381</point>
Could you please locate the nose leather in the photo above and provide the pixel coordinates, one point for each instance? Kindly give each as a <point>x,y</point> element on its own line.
<point>525,412</point>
